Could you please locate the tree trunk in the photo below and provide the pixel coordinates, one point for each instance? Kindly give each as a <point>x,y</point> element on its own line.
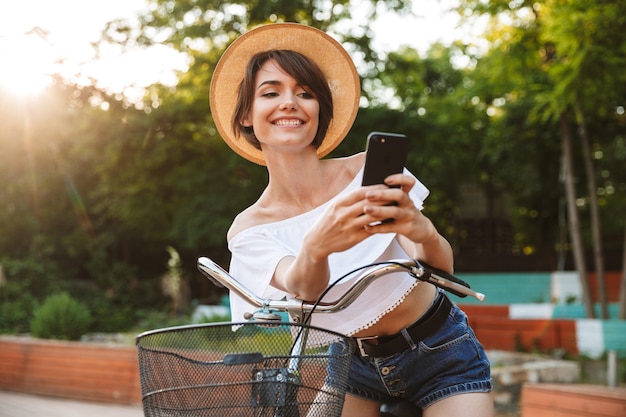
<point>598,250</point>
<point>572,212</point>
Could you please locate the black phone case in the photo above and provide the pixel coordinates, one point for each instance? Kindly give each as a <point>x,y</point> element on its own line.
<point>385,155</point>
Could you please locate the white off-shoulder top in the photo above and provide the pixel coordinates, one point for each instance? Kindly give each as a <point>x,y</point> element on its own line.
<point>256,252</point>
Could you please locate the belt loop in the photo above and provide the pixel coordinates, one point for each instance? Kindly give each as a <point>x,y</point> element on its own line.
<point>408,338</point>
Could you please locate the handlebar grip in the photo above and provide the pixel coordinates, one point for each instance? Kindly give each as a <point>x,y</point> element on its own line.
<point>431,271</point>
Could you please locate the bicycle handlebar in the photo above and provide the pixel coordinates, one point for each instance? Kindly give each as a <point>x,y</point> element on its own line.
<point>417,269</point>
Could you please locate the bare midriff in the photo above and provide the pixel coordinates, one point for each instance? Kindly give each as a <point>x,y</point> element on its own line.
<point>415,304</point>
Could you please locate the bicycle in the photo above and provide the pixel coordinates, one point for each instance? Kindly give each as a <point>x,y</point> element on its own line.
<point>265,366</point>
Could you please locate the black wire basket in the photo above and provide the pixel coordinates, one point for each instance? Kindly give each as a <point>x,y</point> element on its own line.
<point>243,369</point>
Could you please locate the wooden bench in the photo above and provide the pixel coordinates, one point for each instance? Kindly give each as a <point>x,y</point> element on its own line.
<point>572,400</point>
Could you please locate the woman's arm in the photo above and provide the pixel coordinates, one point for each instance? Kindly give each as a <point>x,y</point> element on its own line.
<point>416,232</point>
<point>340,227</point>
<point>435,250</point>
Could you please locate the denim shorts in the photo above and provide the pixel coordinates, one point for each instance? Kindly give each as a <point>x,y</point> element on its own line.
<point>450,362</point>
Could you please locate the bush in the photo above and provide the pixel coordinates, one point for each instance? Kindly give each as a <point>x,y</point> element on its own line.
<point>16,308</point>
<point>60,317</point>
<point>27,282</point>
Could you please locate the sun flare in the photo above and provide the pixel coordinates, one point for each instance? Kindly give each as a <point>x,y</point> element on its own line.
<point>26,66</point>
<point>29,61</point>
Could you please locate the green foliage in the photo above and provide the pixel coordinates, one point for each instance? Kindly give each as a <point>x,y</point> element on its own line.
<point>26,282</point>
<point>545,59</point>
<point>15,311</point>
<point>270,340</point>
<point>150,319</point>
<point>60,317</point>
<point>92,195</point>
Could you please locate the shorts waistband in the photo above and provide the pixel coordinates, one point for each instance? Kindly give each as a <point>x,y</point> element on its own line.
<point>408,337</point>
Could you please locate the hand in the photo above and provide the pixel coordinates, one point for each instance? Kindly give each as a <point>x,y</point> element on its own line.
<point>408,220</point>
<point>342,225</point>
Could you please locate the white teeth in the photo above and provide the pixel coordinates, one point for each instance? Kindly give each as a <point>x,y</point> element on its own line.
<point>290,122</point>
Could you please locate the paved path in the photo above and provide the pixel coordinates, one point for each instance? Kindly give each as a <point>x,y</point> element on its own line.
<point>13,404</point>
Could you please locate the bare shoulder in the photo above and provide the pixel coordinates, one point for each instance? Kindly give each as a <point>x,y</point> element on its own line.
<point>265,210</point>
<point>352,163</point>
<point>250,217</point>
<point>341,171</point>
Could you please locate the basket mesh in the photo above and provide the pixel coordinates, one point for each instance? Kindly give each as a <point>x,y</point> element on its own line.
<point>214,370</point>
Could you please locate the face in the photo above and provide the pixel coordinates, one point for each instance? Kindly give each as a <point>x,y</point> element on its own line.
<point>284,114</point>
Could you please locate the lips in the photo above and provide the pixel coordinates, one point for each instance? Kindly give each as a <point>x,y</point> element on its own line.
<point>288,122</point>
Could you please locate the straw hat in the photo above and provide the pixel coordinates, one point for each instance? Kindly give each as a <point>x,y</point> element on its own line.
<point>326,52</point>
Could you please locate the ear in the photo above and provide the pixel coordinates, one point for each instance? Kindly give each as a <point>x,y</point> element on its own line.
<point>245,122</point>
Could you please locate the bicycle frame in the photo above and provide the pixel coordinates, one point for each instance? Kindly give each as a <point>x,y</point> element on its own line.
<point>299,310</point>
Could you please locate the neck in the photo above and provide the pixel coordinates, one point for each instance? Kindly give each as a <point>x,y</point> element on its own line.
<point>299,181</point>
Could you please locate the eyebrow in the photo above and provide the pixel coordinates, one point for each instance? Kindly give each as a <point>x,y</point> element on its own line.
<point>269,82</point>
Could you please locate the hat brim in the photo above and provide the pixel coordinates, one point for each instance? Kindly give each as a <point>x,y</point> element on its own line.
<point>322,49</point>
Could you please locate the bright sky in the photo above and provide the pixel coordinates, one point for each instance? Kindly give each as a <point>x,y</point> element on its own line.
<point>431,22</point>
<point>26,59</point>
<point>71,25</point>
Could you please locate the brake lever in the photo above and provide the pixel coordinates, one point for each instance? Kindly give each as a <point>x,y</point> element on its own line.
<point>442,279</point>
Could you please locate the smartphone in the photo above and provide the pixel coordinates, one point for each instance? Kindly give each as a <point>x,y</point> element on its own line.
<point>385,155</point>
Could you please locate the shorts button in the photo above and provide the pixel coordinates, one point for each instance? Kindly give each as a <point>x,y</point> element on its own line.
<point>385,371</point>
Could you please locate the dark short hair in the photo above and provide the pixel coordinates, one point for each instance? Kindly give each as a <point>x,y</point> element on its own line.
<point>303,70</point>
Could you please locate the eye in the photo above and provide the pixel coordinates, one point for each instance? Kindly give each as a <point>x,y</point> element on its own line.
<point>306,95</point>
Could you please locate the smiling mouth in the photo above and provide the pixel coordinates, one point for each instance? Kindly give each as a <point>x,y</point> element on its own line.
<point>288,122</point>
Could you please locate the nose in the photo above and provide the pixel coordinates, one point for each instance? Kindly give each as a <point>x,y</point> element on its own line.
<point>289,102</point>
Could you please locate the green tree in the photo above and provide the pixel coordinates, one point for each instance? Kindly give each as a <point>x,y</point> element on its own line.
<point>589,58</point>
<point>572,45</point>
<point>96,188</point>
<point>205,183</point>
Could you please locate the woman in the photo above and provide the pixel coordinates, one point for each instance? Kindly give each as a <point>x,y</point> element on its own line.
<point>284,96</point>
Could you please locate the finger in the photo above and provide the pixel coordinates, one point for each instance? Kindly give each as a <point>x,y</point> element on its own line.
<point>352,204</point>
<point>357,195</point>
<point>380,227</point>
<point>385,225</point>
<point>381,213</point>
<point>406,182</point>
<point>387,196</point>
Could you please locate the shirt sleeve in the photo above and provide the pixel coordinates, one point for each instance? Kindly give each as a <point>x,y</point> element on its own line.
<point>255,255</point>
<point>418,193</point>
